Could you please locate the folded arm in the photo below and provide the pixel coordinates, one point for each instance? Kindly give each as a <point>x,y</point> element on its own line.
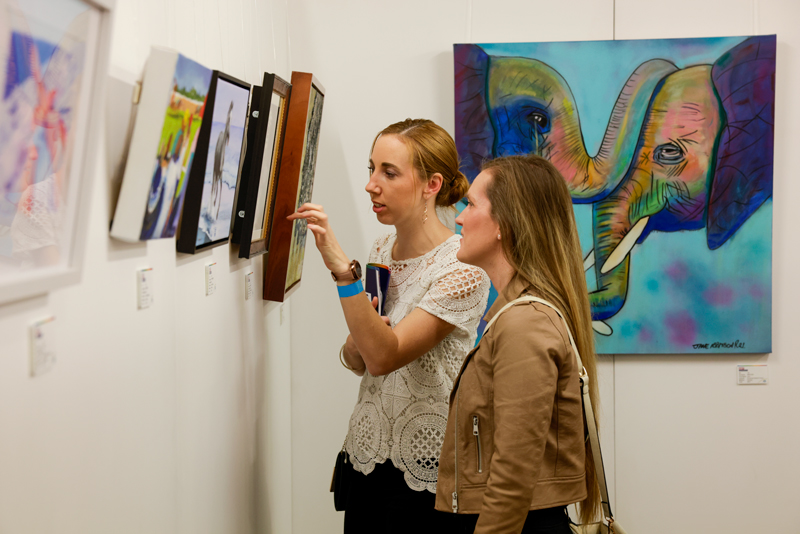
<point>381,348</point>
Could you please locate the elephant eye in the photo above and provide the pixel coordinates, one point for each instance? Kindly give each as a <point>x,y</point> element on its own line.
<point>669,154</point>
<point>539,120</point>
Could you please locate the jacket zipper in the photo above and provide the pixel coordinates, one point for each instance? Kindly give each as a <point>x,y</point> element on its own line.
<point>455,488</point>
<point>477,434</point>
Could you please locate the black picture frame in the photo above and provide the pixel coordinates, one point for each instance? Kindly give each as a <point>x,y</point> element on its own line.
<point>255,196</point>
<point>192,208</point>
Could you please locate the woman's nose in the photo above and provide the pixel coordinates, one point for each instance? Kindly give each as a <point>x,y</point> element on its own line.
<point>371,186</point>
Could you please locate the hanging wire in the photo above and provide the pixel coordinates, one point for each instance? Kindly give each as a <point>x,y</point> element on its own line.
<point>221,41</point>
<point>469,21</point>
<point>288,40</point>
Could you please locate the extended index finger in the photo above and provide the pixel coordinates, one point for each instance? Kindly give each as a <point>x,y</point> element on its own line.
<point>309,206</point>
<point>308,214</point>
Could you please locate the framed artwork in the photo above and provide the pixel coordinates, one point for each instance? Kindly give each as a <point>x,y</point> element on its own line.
<point>211,187</point>
<point>259,177</point>
<point>55,60</point>
<point>284,265</point>
<point>171,110</point>
<point>666,147</point>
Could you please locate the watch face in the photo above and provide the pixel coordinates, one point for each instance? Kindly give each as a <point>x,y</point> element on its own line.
<point>357,268</point>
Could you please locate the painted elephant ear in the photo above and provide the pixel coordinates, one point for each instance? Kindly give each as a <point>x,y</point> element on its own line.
<point>474,132</point>
<point>744,78</point>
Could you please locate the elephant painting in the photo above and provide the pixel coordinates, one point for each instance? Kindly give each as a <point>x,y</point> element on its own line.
<point>687,145</point>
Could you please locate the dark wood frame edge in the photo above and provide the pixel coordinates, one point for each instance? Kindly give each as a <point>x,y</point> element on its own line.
<point>277,262</point>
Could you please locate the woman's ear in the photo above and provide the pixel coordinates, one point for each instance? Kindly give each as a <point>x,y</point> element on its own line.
<point>433,185</point>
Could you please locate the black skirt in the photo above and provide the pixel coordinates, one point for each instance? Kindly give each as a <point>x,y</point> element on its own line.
<point>383,502</point>
<point>546,521</point>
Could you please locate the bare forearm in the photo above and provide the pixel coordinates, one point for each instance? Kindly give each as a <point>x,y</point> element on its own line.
<point>376,342</point>
<point>352,358</point>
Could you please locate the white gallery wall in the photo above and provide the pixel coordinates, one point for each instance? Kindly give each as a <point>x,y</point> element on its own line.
<point>170,419</point>
<point>220,415</point>
<point>687,448</point>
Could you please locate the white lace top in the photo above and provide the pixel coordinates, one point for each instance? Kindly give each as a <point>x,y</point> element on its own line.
<point>403,415</point>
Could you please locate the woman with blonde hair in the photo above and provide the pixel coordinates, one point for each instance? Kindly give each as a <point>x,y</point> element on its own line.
<point>514,454</point>
<point>433,306</point>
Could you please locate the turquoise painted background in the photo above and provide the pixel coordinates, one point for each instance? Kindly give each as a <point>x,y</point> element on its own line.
<point>682,297</point>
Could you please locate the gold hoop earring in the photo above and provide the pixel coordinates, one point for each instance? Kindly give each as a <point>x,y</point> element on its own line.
<point>425,214</point>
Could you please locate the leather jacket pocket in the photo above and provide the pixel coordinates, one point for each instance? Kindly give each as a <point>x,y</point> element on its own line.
<point>476,431</point>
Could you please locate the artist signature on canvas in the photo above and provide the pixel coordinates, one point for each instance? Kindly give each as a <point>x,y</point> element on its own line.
<point>720,345</point>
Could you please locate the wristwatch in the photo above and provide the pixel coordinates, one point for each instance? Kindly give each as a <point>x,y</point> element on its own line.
<point>353,274</point>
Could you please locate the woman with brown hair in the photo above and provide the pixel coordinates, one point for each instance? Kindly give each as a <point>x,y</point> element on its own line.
<point>433,306</point>
<point>514,454</point>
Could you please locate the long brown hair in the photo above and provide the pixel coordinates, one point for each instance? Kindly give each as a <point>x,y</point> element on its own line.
<point>531,204</point>
<point>432,150</point>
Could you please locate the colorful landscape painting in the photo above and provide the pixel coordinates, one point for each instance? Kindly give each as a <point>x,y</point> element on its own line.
<point>43,60</point>
<point>183,118</point>
<point>666,147</point>
<point>300,227</point>
<point>222,164</point>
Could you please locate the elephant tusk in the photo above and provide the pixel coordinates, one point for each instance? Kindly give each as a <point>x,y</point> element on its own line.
<point>602,328</point>
<point>588,261</point>
<point>619,254</point>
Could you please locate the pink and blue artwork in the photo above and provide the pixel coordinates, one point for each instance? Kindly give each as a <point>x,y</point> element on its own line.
<point>666,147</point>
<point>44,61</point>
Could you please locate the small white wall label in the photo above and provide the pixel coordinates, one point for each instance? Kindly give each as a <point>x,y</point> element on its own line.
<point>144,288</point>
<point>248,286</point>
<point>757,374</point>
<point>42,343</point>
<point>211,284</point>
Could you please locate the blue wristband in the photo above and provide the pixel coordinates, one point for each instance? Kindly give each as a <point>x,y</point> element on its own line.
<point>351,289</point>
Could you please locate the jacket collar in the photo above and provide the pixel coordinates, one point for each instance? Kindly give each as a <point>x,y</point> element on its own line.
<point>517,287</point>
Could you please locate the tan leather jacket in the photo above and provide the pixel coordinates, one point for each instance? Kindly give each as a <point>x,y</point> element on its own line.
<point>514,439</point>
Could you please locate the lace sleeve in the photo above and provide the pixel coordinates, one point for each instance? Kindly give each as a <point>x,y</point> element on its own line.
<point>458,296</point>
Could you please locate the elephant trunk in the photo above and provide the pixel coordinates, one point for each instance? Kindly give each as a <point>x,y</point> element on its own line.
<point>621,219</point>
<point>593,178</point>
<point>666,187</point>
<point>640,205</point>
<point>613,242</point>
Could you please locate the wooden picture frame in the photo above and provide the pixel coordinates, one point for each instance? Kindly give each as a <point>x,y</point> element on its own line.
<point>46,177</point>
<point>255,196</point>
<point>283,267</point>
<point>211,189</point>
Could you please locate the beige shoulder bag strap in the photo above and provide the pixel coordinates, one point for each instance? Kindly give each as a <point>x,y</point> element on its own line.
<point>588,411</point>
